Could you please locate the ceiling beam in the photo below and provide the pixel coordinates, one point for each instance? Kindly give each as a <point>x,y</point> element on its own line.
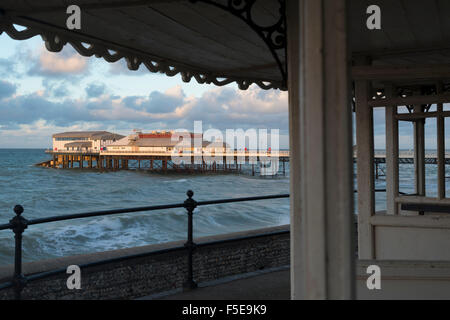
<point>377,54</point>
<point>89,6</point>
<point>421,115</point>
<point>406,72</point>
<point>403,101</point>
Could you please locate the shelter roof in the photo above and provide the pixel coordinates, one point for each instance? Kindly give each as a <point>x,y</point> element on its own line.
<point>221,41</point>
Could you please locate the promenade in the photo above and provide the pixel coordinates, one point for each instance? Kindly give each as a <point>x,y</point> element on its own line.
<point>272,284</point>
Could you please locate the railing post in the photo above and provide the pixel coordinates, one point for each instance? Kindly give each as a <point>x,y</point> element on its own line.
<point>190,204</point>
<point>18,225</point>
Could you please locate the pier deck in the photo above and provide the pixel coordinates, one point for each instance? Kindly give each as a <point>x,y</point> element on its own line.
<point>165,161</point>
<point>408,157</point>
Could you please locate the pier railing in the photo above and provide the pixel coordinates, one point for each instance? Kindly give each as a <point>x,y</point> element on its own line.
<point>18,224</point>
<point>84,151</point>
<point>231,153</point>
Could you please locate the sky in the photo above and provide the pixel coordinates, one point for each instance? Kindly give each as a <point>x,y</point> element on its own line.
<point>42,93</point>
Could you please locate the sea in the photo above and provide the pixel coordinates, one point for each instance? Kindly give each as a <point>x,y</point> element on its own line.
<point>47,192</point>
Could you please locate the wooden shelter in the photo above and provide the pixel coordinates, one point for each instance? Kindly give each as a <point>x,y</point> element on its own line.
<point>323,52</point>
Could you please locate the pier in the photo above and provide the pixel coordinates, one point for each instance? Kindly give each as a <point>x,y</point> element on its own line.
<point>162,161</point>
<point>230,161</point>
<point>159,151</point>
<point>407,157</point>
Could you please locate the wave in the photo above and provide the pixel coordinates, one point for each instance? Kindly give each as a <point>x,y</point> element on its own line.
<point>46,193</point>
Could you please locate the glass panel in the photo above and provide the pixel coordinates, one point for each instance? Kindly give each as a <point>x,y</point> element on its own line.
<point>447,157</point>
<point>379,129</point>
<point>430,158</point>
<point>433,108</point>
<point>407,179</point>
<point>402,109</point>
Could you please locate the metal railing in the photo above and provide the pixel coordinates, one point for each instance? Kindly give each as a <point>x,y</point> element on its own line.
<point>87,151</point>
<point>18,224</point>
<point>231,153</point>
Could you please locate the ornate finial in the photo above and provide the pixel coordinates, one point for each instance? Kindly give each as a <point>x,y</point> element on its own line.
<point>18,209</point>
<point>190,193</point>
<point>18,223</point>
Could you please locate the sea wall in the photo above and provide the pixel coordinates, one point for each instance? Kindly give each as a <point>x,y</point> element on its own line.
<point>156,268</point>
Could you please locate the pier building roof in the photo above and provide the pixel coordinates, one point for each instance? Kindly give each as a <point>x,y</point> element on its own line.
<point>161,140</point>
<point>92,135</point>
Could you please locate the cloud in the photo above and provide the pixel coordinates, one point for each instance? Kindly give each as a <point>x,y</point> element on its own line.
<point>221,108</point>
<point>162,102</point>
<point>7,67</point>
<point>94,90</point>
<point>38,133</point>
<point>7,89</point>
<point>56,89</point>
<point>33,118</point>
<point>62,64</point>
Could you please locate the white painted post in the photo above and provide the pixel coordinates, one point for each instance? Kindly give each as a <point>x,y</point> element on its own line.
<point>419,151</point>
<point>365,170</point>
<point>322,246</point>
<point>440,125</point>
<point>293,56</point>
<point>391,155</point>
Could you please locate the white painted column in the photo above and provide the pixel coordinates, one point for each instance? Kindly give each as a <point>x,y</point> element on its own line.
<point>440,126</point>
<point>293,36</point>
<point>392,177</point>
<point>365,170</point>
<point>419,151</point>
<point>322,246</point>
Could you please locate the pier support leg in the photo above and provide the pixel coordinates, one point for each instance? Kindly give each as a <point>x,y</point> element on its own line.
<point>322,247</point>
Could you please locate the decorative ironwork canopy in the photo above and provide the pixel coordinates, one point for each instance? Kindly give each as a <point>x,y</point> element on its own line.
<point>212,41</point>
<point>225,41</point>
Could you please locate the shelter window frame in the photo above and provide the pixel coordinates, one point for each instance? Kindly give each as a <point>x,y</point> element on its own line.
<point>418,115</point>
